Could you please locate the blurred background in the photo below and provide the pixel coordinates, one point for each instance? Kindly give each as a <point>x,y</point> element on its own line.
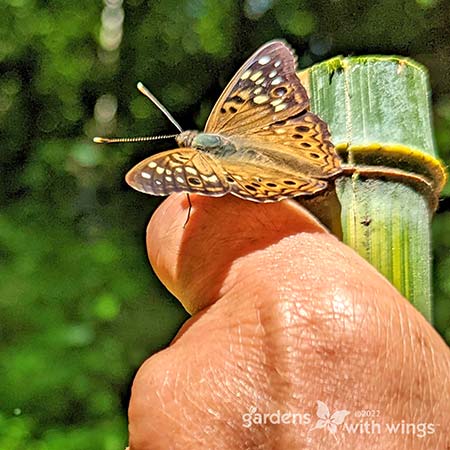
<point>80,308</point>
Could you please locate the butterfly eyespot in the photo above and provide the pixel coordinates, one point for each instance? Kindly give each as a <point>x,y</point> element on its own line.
<point>301,128</point>
<point>194,181</point>
<point>232,109</point>
<point>257,179</point>
<point>314,155</point>
<point>237,99</point>
<point>305,144</point>
<point>223,110</point>
<point>250,187</point>
<point>289,182</point>
<point>269,184</point>
<point>297,136</point>
<point>279,91</point>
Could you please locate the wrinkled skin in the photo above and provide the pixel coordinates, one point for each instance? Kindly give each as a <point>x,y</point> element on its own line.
<point>287,315</point>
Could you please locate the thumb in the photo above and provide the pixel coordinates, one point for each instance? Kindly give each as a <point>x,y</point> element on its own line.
<point>224,240</point>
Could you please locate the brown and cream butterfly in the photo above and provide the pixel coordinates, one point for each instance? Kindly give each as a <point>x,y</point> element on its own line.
<point>261,142</point>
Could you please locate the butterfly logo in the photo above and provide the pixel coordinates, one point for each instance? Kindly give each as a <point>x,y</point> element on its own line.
<point>327,420</point>
<point>260,143</point>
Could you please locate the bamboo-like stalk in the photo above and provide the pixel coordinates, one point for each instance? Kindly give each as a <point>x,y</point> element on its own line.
<point>378,112</point>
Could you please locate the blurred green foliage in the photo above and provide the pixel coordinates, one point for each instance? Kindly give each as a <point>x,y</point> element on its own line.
<point>79,307</point>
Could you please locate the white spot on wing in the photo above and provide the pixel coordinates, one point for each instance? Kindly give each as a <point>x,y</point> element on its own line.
<point>168,172</point>
<point>146,175</point>
<point>260,99</point>
<point>277,80</point>
<point>246,74</point>
<point>260,80</point>
<point>272,74</point>
<point>276,102</point>
<point>169,178</point>
<point>210,178</point>
<point>264,60</point>
<point>180,179</point>
<point>160,170</point>
<point>191,170</point>
<point>280,107</point>
<point>277,63</point>
<point>256,75</point>
<point>152,164</point>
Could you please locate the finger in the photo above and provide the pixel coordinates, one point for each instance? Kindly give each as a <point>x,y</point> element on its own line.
<point>199,262</point>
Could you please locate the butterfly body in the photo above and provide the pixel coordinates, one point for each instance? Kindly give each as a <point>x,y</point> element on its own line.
<point>214,145</point>
<point>260,142</point>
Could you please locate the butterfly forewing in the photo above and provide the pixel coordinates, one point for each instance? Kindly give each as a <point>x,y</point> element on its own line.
<point>264,90</point>
<point>180,170</point>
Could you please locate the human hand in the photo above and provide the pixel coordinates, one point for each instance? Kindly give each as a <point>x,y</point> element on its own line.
<point>287,315</point>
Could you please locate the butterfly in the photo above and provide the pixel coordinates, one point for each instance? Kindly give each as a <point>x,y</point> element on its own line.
<point>260,143</point>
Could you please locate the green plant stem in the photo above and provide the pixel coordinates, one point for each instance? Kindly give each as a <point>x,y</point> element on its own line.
<point>378,111</point>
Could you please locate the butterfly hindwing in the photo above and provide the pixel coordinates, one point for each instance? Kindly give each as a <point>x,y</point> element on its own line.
<point>262,186</point>
<point>301,142</point>
<point>265,89</point>
<point>179,170</point>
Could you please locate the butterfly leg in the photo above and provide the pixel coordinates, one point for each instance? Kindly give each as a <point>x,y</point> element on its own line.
<point>189,210</point>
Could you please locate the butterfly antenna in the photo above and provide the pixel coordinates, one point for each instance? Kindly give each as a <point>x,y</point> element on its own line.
<point>103,140</point>
<point>162,108</point>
